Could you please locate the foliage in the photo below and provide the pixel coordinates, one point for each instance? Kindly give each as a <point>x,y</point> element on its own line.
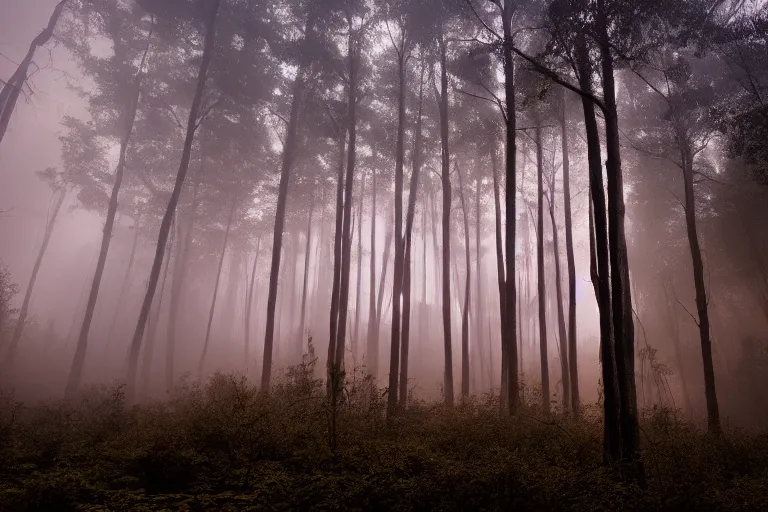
<point>226,446</point>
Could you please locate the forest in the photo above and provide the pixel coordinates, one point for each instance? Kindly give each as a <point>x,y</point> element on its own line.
<point>384,255</point>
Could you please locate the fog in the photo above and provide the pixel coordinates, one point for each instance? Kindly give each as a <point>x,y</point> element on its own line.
<point>232,122</point>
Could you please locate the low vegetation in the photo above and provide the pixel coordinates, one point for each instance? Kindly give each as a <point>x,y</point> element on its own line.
<point>226,446</point>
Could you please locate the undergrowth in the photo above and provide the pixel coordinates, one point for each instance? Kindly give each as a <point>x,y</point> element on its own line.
<point>224,445</point>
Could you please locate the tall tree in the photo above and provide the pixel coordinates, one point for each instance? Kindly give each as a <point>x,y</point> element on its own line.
<point>60,190</point>
<point>13,87</point>
<point>127,116</point>
<point>165,227</point>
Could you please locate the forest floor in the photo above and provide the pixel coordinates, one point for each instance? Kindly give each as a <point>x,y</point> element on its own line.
<point>225,446</point>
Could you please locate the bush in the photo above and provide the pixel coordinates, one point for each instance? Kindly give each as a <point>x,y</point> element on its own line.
<point>224,445</point>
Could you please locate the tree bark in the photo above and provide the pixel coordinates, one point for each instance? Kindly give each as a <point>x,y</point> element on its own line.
<point>305,285</point>
<point>212,310</point>
<point>9,95</point>
<point>249,301</point>
<point>563,335</point>
<point>467,287</point>
<point>541,284</point>
<point>624,331</point>
<point>500,274</point>
<point>601,271</point>
<point>126,280</point>
<point>184,230</point>
<point>407,276</point>
<point>397,283</point>
<point>289,155</point>
<point>76,372</point>
<point>510,296</point>
<point>442,96</point>
<point>346,248</point>
<point>572,356</point>
<point>10,357</point>
<point>165,225</point>
<point>371,352</point>
<point>702,301</point>
<point>359,276</point>
<point>154,322</point>
<point>337,261</point>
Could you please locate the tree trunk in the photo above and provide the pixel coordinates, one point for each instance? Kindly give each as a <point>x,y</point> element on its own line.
<point>382,280</point>
<point>337,262</point>
<point>500,274</point>
<point>76,372</point>
<point>623,323</point>
<point>563,341</point>
<point>165,225</point>
<point>293,288</point>
<point>371,352</point>
<point>126,280</point>
<point>349,180</point>
<point>467,288</point>
<point>359,284</point>
<point>212,310</point>
<point>184,230</point>
<point>702,301</point>
<point>249,301</point>
<point>397,283</point>
<point>572,359</point>
<point>478,284</point>
<point>289,155</point>
<point>305,285</point>
<point>442,96</point>
<point>19,330</point>
<point>407,276</point>
<point>601,272</point>
<point>11,91</point>
<point>540,266</point>
<point>510,297</point>
<point>154,322</point>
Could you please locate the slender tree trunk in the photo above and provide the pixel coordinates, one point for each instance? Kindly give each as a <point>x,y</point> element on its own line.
<point>10,357</point>
<point>289,155</point>
<point>397,283</point>
<point>510,298</point>
<point>9,95</point>
<point>478,283</point>
<point>359,284</point>
<point>612,432</point>
<point>467,287</point>
<point>305,285</point>
<point>346,248</point>
<point>249,300</point>
<point>702,301</point>
<point>212,310</point>
<point>165,225</point>
<point>407,276</point>
<point>337,261</point>
<point>572,357</point>
<point>76,372</point>
<point>624,331</point>
<point>446,182</point>
<point>500,273</point>
<point>184,230</point>
<point>563,341</point>
<point>541,286</point>
<point>155,321</point>
<point>371,352</point>
<point>383,279</point>
<point>126,280</point>
<point>294,285</point>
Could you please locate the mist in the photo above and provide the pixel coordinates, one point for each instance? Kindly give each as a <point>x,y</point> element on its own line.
<point>544,208</point>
